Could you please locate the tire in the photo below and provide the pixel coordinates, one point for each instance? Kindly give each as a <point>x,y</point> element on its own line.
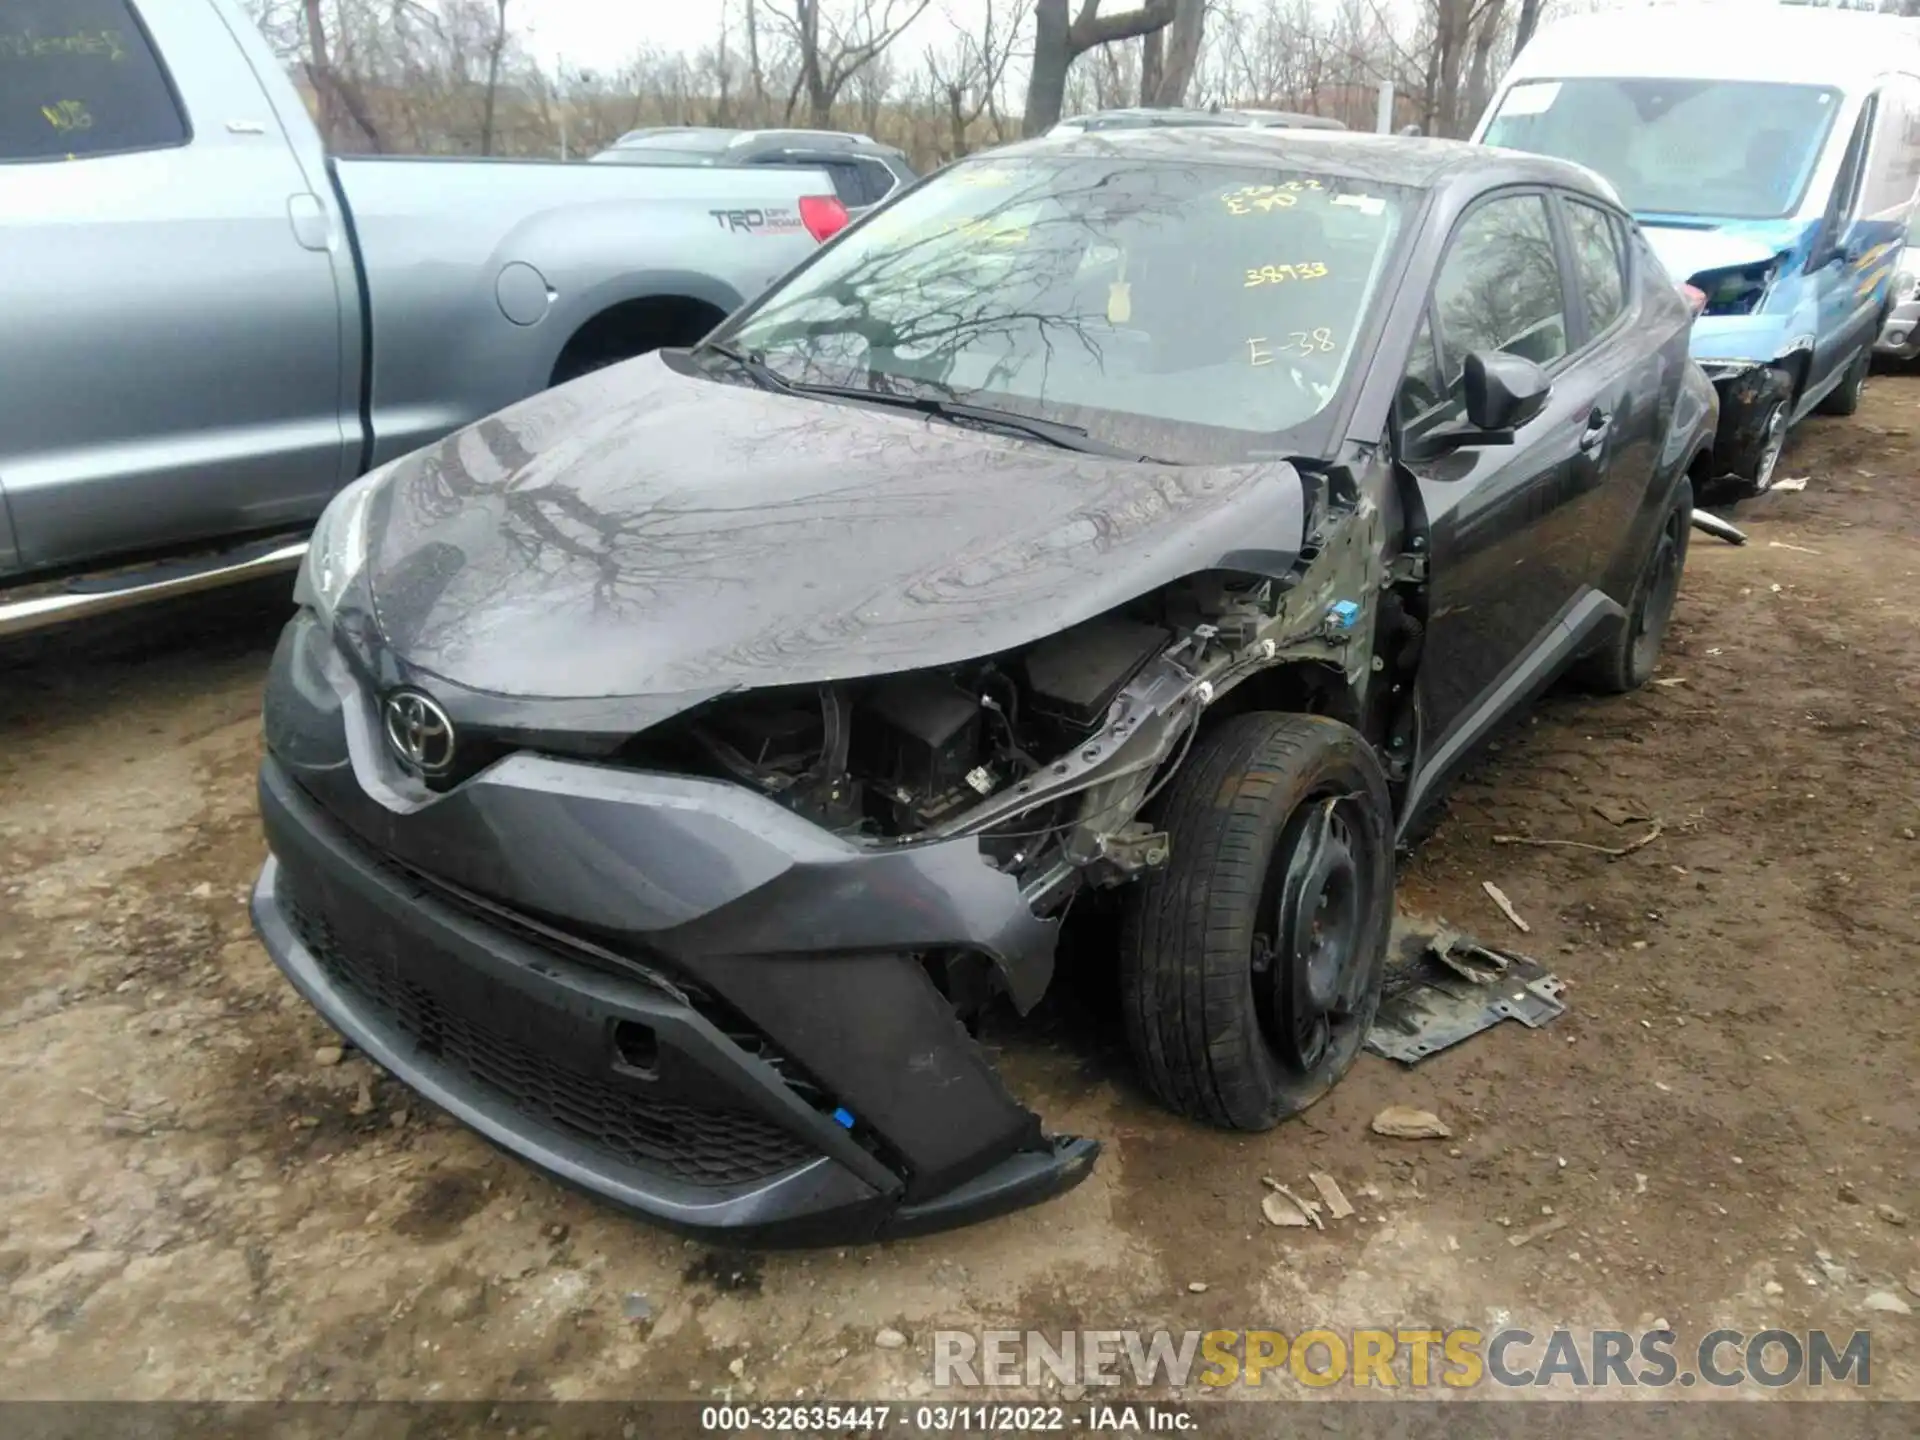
<point>1844,398</point>
<point>1754,458</point>
<point>1627,661</point>
<point>1227,1026</point>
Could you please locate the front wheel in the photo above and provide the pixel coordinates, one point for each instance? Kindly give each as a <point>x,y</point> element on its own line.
<point>1250,965</point>
<point>1844,398</point>
<point>1753,457</point>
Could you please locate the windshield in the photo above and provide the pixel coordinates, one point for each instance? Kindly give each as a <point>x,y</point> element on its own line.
<point>1188,310</point>
<point>1731,149</point>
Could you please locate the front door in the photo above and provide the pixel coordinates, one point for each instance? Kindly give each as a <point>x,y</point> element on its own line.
<point>172,351</point>
<point>1503,562</point>
<point>1849,265</point>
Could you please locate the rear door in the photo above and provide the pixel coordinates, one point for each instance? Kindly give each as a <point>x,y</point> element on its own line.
<point>172,353</point>
<point>1621,325</point>
<point>1506,560</point>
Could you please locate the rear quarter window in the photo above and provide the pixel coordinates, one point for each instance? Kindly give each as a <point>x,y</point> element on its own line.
<point>80,78</point>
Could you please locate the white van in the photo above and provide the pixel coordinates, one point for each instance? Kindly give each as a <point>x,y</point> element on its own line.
<point>1771,155</point>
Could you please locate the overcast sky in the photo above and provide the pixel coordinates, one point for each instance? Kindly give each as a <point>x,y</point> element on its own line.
<point>593,34</point>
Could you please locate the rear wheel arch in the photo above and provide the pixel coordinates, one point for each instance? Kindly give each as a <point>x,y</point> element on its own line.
<point>631,327</point>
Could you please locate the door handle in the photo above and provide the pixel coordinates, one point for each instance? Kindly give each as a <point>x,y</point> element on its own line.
<point>1598,424</point>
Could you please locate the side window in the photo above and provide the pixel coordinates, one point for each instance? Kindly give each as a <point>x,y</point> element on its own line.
<point>1893,161</point>
<point>78,78</point>
<point>879,181</point>
<point>1499,287</point>
<point>847,184</point>
<point>1599,261</point>
<point>1846,189</point>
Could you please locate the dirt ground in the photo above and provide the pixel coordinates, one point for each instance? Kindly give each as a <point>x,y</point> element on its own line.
<point>195,1206</point>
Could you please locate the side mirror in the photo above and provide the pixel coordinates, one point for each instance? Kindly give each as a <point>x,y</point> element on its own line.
<point>1503,392</point>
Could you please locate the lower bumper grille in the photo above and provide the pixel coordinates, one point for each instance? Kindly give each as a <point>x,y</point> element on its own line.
<point>698,1145</point>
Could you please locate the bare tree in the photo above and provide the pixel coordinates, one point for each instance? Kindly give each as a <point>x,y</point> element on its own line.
<point>835,41</point>
<point>1059,40</point>
<point>495,48</point>
<point>1528,22</point>
<point>335,93</point>
<point>967,79</point>
<point>1169,57</point>
<point>755,75</point>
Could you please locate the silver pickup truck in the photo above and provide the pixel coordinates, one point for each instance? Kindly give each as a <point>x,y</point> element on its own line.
<point>211,325</point>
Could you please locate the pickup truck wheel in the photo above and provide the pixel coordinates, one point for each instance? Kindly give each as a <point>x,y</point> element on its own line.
<point>1627,661</point>
<point>1250,964</point>
<point>1754,456</point>
<point>1844,398</point>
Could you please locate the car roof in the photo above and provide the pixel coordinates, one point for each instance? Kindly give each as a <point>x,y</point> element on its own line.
<point>1417,162</point>
<point>720,137</point>
<point>1750,41</point>
<point>1142,116</point>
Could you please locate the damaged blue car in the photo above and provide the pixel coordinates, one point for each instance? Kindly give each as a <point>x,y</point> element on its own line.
<point>1771,164</point>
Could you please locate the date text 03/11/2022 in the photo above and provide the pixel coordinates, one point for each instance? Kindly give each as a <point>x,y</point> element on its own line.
<point>947,1419</point>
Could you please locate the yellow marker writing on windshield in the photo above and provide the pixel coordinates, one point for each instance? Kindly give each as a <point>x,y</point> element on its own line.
<point>1274,274</point>
<point>1257,353</point>
<point>1263,199</point>
<point>1311,342</point>
<point>67,115</point>
<point>1119,303</point>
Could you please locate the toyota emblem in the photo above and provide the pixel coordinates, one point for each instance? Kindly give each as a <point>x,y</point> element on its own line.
<point>419,731</point>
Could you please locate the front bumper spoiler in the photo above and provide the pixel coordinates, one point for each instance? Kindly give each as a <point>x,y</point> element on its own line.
<point>535,1051</point>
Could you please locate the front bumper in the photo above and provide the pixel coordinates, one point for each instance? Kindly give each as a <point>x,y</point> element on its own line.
<point>742,1045</point>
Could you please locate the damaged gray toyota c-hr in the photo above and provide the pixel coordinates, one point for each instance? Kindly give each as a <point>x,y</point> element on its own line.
<point>664,773</point>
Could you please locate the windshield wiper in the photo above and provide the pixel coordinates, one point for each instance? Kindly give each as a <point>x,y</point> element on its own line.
<point>753,363</point>
<point>1057,433</point>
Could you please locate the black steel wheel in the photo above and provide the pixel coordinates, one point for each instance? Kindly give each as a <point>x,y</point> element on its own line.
<point>1250,964</point>
<point>1628,659</point>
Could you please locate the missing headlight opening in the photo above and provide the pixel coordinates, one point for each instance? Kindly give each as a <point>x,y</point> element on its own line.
<point>1736,292</point>
<point>1047,752</point>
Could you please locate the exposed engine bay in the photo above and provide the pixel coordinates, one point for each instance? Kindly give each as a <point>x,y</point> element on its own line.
<point>1736,291</point>
<point>1048,752</point>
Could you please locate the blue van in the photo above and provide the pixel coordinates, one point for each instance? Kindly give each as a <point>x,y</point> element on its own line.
<point>1771,156</point>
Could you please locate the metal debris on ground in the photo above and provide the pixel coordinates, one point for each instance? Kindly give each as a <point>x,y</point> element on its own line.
<point>1306,1207</point>
<point>1442,988</point>
<point>1789,484</point>
<point>1616,814</point>
<point>637,1307</point>
<point>1538,1232</point>
<point>1499,897</point>
<point>1338,1206</point>
<point>1612,852</point>
<point>1281,1211</point>
<point>1783,545</point>
<point>1718,528</point>
<point>1403,1122</point>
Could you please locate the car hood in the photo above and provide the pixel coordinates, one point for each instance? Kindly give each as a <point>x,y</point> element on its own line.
<point>1687,252</point>
<point>644,532</point>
